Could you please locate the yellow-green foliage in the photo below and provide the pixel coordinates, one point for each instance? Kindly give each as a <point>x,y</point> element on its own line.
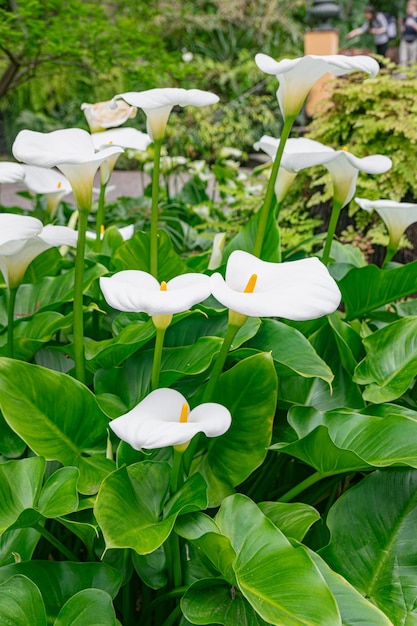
<point>375,116</point>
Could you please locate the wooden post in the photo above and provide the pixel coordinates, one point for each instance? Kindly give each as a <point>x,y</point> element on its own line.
<point>319,42</point>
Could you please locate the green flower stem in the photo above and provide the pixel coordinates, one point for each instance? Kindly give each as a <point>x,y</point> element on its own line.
<point>153,263</point>
<point>100,213</point>
<point>305,484</point>
<point>10,321</point>
<point>334,218</point>
<point>55,542</point>
<point>220,361</point>
<point>390,252</point>
<point>270,190</point>
<point>176,478</point>
<point>78,325</point>
<point>157,356</point>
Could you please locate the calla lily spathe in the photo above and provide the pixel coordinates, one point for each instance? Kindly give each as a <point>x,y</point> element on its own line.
<point>11,172</point>
<point>297,76</point>
<point>158,103</point>
<point>342,165</point>
<point>155,422</point>
<point>101,115</point>
<point>296,290</point>
<point>48,182</point>
<point>126,138</point>
<point>397,216</point>
<point>298,147</point>
<point>72,151</point>
<point>22,238</point>
<point>137,291</point>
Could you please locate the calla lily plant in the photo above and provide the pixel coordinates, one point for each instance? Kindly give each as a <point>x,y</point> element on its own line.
<point>23,238</point>
<point>164,418</point>
<point>343,167</point>
<point>296,77</point>
<point>72,151</point>
<point>137,291</point>
<point>49,183</point>
<point>157,105</point>
<point>397,216</point>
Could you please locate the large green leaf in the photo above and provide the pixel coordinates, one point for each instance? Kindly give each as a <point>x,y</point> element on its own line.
<point>214,601</point>
<point>57,417</point>
<point>59,581</point>
<point>134,255</point>
<point>130,503</point>
<point>327,341</point>
<point>249,391</point>
<point>89,607</point>
<point>18,544</point>
<point>390,364</point>
<point>367,288</point>
<point>21,603</point>
<point>373,541</point>
<point>280,581</point>
<point>292,350</point>
<point>31,334</point>
<point>344,440</point>
<point>293,519</point>
<point>20,484</point>
<point>59,494</point>
<point>354,608</point>
<point>112,352</point>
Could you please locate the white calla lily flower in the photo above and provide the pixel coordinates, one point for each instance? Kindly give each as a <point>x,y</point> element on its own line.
<point>22,238</point>
<point>11,172</point>
<point>101,115</point>
<point>158,103</point>
<point>126,138</point>
<point>164,418</point>
<point>48,182</point>
<point>138,291</point>
<point>342,165</point>
<point>296,290</point>
<point>293,146</point>
<point>397,216</point>
<point>72,151</point>
<point>297,76</point>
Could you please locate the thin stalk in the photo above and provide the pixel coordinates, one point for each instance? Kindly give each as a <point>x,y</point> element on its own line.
<point>10,321</point>
<point>302,486</point>
<point>173,617</point>
<point>390,252</point>
<point>153,262</point>
<point>100,213</point>
<point>55,542</point>
<point>157,356</point>
<point>334,218</point>
<point>270,190</point>
<point>220,361</point>
<point>176,477</point>
<point>78,325</point>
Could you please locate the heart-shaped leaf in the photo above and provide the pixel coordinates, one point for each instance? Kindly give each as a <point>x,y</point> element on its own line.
<point>373,543</point>
<point>21,602</point>
<point>57,417</point>
<point>390,364</point>
<point>89,607</point>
